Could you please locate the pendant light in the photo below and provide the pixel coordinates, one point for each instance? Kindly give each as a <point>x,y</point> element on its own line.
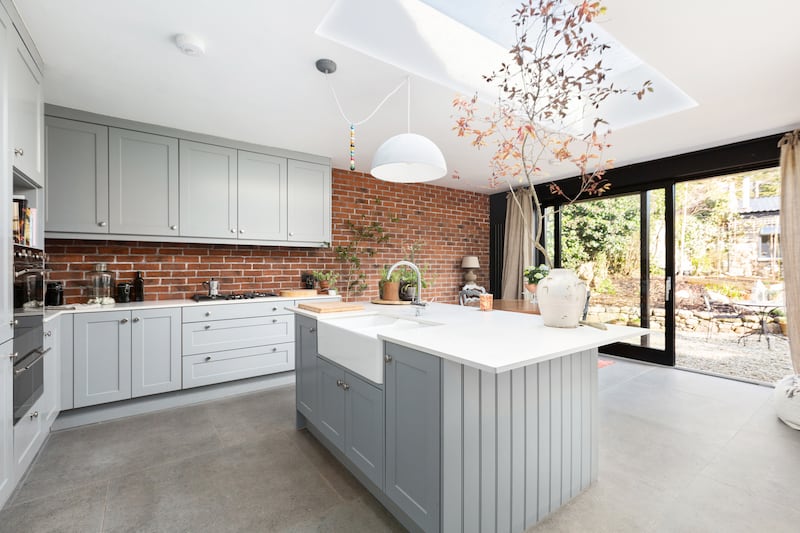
<point>408,157</point>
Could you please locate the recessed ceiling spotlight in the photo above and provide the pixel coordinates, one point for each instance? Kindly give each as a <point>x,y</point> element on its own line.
<point>191,45</point>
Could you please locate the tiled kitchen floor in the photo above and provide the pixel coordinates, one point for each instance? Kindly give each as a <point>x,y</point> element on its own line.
<point>679,452</point>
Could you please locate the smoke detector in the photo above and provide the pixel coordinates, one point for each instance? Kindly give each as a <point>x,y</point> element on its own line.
<point>191,45</point>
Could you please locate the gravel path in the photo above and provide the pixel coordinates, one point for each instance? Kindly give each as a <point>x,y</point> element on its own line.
<point>723,354</point>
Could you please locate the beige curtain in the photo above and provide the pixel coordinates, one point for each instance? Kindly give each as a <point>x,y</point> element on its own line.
<point>518,245</point>
<point>790,238</point>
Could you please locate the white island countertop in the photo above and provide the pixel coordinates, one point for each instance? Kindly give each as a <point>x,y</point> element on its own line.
<point>494,341</point>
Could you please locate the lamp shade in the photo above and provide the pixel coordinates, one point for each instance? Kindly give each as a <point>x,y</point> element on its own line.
<point>408,158</point>
<point>470,261</point>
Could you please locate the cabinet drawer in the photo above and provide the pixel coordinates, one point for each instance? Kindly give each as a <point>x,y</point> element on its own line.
<point>206,369</point>
<point>223,335</point>
<point>204,313</point>
<point>28,437</point>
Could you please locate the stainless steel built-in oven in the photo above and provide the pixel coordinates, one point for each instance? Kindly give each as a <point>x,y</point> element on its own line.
<point>28,331</point>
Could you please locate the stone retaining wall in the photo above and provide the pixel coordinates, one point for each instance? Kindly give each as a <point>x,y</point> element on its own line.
<point>685,319</point>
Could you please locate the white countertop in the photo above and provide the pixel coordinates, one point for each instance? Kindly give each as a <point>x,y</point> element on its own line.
<point>495,341</point>
<point>160,304</point>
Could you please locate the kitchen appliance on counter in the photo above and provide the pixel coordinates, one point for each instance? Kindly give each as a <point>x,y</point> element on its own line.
<point>213,287</point>
<point>233,296</point>
<point>124,290</point>
<point>54,294</point>
<point>28,352</point>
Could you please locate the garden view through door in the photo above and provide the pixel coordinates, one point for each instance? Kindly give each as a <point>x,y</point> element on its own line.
<point>619,246</point>
<point>729,290</point>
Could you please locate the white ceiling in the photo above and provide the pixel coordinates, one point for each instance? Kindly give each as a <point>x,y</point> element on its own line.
<point>257,81</point>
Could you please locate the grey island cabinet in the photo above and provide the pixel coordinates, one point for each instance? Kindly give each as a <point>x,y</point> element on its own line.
<point>473,433</point>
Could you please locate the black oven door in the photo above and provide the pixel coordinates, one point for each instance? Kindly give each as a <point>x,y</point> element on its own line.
<point>28,364</point>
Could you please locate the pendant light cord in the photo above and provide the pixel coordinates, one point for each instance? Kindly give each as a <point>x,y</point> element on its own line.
<point>408,105</point>
<point>344,116</point>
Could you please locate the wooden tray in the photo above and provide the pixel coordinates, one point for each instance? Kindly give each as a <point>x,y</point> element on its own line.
<point>330,307</point>
<point>293,293</point>
<point>391,302</point>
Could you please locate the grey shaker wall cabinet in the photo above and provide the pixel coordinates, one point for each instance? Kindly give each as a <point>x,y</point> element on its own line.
<point>25,108</point>
<point>115,349</point>
<point>76,167</point>
<point>142,183</point>
<point>208,190</point>
<point>306,368</point>
<point>413,433</point>
<point>205,190</point>
<point>261,197</point>
<point>309,202</point>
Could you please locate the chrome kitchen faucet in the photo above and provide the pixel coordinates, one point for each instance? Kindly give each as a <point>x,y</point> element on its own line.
<point>417,300</point>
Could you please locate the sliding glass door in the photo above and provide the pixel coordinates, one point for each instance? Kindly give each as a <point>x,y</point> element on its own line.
<point>623,247</point>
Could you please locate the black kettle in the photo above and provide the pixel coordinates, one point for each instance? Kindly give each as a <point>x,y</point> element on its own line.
<point>54,294</point>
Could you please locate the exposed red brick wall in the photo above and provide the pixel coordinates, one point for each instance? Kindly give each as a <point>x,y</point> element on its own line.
<point>450,224</point>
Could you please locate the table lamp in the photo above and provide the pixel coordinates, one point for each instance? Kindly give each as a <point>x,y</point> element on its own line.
<point>470,263</point>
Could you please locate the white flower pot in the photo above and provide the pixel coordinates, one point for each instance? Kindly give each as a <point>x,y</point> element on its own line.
<point>562,297</point>
<point>787,400</point>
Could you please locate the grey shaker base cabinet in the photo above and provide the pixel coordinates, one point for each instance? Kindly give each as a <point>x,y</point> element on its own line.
<point>468,450</point>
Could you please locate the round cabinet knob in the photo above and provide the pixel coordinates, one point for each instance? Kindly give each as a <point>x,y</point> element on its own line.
<point>123,321</point>
<point>241,231</point>
<point>291,234</point>
<point>345,386</point>
<point>207,326</point>
<point>233,230</point>
<point>274,349</point>
<point>136,319</point>
<point>173,227</point>
<point>102,224</point>
<point>19,151</point>
<point>48,333</point>
<point>339,382</point>
<point>312,330</point>
<point>35,414</point>
<point>208,313</point>
<point>274,308</point>
<point>208,358</point>
<point>14,323</point>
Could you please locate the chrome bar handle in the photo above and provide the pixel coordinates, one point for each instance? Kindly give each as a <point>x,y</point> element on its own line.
<point>26,368</point>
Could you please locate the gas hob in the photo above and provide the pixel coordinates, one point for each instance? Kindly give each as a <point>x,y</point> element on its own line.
<point>233,296</point>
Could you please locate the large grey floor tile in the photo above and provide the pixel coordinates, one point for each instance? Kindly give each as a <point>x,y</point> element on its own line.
<point>708,505</point>
<point>84,455</point>
<point>723,390</point>
<point>78,510</point>
<point>253,416</point>
<point>619,372</point>
<point>262,486</point>
<point>358,515</point>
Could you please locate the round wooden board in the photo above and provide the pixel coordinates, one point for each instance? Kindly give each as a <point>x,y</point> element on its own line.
<point>391,302</point>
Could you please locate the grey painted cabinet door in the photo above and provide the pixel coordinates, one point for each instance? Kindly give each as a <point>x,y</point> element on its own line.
<point>76,171</point>
<point>309,202</point>
<point>261,197</point>
<point>306,367</point>
<point>102,357</point>
<point>364,444</point>
<point>25,109</point>
<point>330,407</point>
<point>143,183</point>
<point>155,351</point>
<point>208,191</point>
<point>413,434</point>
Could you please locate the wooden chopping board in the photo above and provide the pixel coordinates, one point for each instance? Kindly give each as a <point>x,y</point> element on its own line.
<point>330,307</point>
<point>293,293</point>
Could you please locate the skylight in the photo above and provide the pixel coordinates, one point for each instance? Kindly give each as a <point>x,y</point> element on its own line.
<point>454,43</point>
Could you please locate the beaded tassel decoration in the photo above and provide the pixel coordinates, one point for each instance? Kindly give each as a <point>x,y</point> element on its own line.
<point>352,147</point>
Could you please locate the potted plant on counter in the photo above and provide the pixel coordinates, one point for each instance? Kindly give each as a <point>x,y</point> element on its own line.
<point>326,279</point>
<point>533,275</point>
<point>390,285</point>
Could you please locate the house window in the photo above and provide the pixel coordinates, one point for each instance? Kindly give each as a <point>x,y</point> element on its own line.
<point>769,242</point>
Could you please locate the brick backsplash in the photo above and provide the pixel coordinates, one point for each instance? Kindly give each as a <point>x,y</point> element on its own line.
<point>449,223</point>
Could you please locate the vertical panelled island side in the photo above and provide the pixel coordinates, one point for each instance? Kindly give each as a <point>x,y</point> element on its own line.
<point>456,419</point>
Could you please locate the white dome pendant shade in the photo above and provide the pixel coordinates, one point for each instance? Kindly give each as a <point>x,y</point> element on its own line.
<point>408,158</point>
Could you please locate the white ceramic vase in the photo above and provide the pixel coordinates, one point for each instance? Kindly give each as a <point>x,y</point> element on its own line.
<point>562,297</point>
<point>787,400</point>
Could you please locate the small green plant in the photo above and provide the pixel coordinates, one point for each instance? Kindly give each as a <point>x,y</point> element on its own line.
<point>535,274</point>
<point>605,286</point>
<point>734,293</point>
<point>322,275</point>
<point>395,277</point>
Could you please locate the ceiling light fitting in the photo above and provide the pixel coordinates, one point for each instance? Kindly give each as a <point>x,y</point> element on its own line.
<point>191,45</point>
<point>404,158</point>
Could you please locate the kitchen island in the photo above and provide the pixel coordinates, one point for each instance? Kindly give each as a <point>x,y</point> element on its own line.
<point>481,421</point>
